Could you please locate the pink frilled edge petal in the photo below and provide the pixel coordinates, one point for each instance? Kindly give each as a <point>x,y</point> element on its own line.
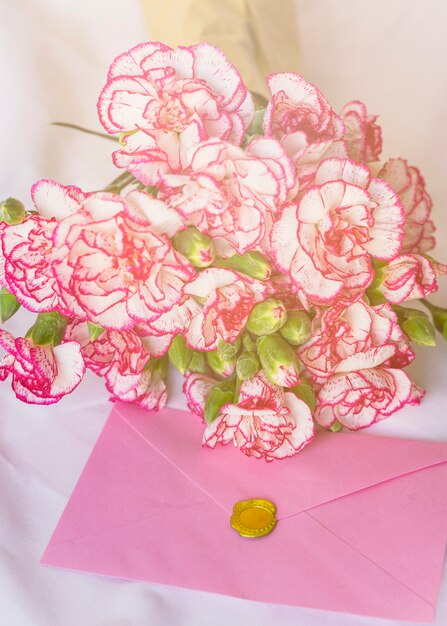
<point>52,199</point>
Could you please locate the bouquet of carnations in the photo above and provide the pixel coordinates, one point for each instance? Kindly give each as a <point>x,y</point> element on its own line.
<point>265,254</point>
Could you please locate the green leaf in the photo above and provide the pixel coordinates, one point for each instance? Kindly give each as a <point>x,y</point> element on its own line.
<point>198,363</point>
<point>94,330</point>
<point>48,329</point>
<point>179,354</point>
<point>8,305</point>
<point>215,400</point>
<point>305,392</point>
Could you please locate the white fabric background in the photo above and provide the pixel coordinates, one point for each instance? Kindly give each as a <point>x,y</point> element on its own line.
<point>53,59</point>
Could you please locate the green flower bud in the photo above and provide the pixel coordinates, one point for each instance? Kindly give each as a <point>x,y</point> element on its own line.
<point>94,330</point>
<point>297,328</point>
<point>305,392</point>
<point>439,316</point>
<point>247,365</point>
<point>48,329</point>
<point>217,397</point>
<point>179,354</point>
<point>252,263</point>
<point>248,342</point>
<point>197,247</point>
<point>228,350</point>
<point>420,331</point>
<point>278,360</point>
<point>267,317</point>
<point>12,211</point>
<point>336,427</point>
<point>416,325</point>
<point>197,363</point>
<point>222,366</point>
<point>8,305</point>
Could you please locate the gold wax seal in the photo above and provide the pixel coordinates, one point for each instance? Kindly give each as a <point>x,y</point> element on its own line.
<point>253,518</point>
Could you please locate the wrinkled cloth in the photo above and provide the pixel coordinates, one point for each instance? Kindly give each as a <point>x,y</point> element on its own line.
<point>53,61</point>
<point>258,36</point>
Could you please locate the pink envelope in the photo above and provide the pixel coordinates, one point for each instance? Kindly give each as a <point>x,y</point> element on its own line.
<point>362,520</point>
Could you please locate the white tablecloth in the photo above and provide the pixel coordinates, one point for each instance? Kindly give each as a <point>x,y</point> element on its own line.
<point>53,59</point>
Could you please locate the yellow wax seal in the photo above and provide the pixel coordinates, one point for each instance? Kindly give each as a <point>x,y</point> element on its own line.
<point>253,518</point>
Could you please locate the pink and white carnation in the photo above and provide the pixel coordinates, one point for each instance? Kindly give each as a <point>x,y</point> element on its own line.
<point>111,258</point>
<point>363,136</point>
<point>267,422</point>
<point>408,277</point>
<point>158,92</point>
<point>362,391</point>
<point>25,263</point>
<point>296,105</point>
<point>342,333</point>
<point>408,183</point>
<point>326,240</point>
<point>122,358</point>
<point>231,193</point>
<point>40,374</point>
<point>226,299</point>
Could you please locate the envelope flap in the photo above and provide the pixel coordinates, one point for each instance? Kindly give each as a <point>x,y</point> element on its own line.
<point>334,465</point>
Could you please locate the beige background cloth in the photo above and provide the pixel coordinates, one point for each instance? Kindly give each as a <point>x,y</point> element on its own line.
<point>258,36</point>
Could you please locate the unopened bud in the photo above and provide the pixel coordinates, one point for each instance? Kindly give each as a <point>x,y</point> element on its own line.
<point>247,365</point>
<point>278,360</point>
<point>197,247</point>
<point>222,366</point>
<point>227,350</point>
<point>252,263</point>
<point>179,354</point>
<point>48,329</point>
<point>439,316</point>
<point>416,325</point>
<point>297,328</point>
<point>420,331</point>
<point>267,317</point>
<point>8,305</point>
<point>12,211</point>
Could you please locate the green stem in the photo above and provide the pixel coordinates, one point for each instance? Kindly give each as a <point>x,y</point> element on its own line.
<point>84,130</point>
<point>120,182</point>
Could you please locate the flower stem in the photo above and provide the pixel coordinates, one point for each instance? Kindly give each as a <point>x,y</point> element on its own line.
<point>84,130</point>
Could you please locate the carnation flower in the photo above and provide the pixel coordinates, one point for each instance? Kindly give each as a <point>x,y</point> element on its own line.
<point>344,332</point>
<point>407,182</point>
<point>41,374</point>
<point>110,265</point>
<point>227,299</point>
<point>158,92</point>
<point>122,358</point>
<point>362,391</point>
<point>363,137</point>
<point>230,193</point>
<point>325,241</point>
<point>408,277</point>
<point>296,105</point>
<point>266,422</point>
<point>25,263</point>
